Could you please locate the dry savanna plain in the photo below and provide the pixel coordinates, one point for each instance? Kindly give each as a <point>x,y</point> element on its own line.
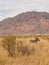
<point>24,50</point>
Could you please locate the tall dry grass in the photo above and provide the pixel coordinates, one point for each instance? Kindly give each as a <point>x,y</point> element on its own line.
<point>24,51</point>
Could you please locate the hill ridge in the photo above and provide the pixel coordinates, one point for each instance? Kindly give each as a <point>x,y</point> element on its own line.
<point>25,24</point>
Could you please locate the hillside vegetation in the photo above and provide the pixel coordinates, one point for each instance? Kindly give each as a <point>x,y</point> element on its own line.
<point>24,50</point>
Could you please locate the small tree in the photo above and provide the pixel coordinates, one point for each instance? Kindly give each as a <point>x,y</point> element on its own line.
<point>9,44</point>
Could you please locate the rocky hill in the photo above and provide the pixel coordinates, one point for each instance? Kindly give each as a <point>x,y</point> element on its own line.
<point>26,23</point>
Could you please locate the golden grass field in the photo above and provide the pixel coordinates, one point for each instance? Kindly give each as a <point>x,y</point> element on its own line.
<point>24,50</point>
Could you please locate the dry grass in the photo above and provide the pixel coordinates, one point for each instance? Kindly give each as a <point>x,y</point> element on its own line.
<point>27,52</point>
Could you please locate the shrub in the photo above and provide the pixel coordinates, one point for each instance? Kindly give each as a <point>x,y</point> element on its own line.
<point>23,49</point>
<point>9,44</point>
<point>35,40</point>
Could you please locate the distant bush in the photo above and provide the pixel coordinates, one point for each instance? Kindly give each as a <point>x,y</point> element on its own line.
<point>35,40</point>
<point>9,44</point>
